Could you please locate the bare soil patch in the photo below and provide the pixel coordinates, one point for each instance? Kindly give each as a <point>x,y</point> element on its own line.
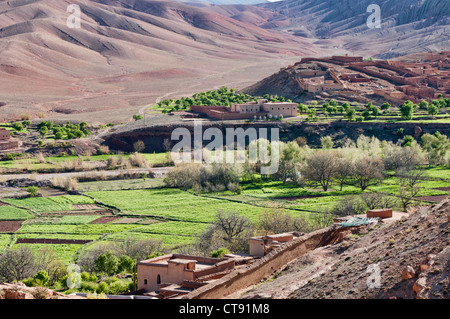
<point>3,204</point>
<point>86,206</point>
<point>49,192</point>
<point>10,226</point>
<point>78,212</point>
<point>104,220</point>
<point>443,189</point>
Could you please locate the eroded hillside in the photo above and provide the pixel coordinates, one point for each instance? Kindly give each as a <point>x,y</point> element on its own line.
<point>412,254</point>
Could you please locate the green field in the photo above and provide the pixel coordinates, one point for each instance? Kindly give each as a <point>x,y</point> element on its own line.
<point>13,213</point>
<point>173,204</point>
<point>175,216</point>
<point>50,204</point>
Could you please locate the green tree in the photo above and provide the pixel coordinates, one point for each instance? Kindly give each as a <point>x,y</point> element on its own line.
<point>433,110</point>
<point>43,131</point>
<point>423,105</point>
<point>126,264</point>
<point>59,135</point>
<point>18,126</point>
<point>385,106</point>
<point>41,278</point>
<point>345,106</point>
<point>108,263</point>
<point>366,114</point>
<point>33,191</point>
<point>436,146</point>
<point>407,110</point>
<point>407,140</point>
<point>350,114</point>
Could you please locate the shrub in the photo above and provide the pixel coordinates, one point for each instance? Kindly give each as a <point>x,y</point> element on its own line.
<point>103,149</point>
<point>67,183</point>
<point>33,191</point>
<point>102,288</point>
<point>41,278</point>
<point>138,160</point>
<point>219,253</point>
<point>25,117</point>
<point>18,126</point>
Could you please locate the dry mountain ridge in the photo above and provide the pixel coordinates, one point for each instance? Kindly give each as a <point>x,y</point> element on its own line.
<point>126,55</point>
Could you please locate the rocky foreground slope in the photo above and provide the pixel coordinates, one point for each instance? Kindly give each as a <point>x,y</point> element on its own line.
<point>412,256</point>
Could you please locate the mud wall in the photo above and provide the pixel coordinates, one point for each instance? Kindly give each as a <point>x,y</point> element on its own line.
<point>266,266</point>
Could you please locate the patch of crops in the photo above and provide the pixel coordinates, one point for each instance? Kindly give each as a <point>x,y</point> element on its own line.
<point>51,204</point>
<point>173,228</point>
<point>64,252</point>
<point>4,240</point>
<point>78,219</point>
<point>13,213</point>
<point>173,204</point>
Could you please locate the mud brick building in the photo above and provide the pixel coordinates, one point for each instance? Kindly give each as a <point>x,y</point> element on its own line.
<point>6,142</point>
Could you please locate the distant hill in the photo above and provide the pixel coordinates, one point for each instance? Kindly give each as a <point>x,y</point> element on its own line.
<point>407,26</point>
<point>126,54</point>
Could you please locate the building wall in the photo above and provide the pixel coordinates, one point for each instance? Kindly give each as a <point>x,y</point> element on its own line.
<point>285,109</point>
<point>4,134</point>
<point>170,271</point>
<point>264,267</point>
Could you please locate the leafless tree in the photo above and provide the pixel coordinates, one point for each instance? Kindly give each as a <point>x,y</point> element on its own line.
<point>139,146</point>
<point>231,224</point>
<point>409,186</point>
<point>17,264</point>
<point>344,171</point>
<point>378,200</point>
<point>321,219</point>
<point>348,205</point>
<point>277,221</point>
<point>230,230</point>
<point>321,167</point>
<point>166,145</point>
<point>368,171</point>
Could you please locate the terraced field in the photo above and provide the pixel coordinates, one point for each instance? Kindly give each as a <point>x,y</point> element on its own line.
<point>171,215</point>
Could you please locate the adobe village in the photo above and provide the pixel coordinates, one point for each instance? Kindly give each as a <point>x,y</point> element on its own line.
<point>347,196</point>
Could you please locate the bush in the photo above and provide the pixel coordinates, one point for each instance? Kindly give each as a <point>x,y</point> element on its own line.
<point>119,286</point>
<point>219,253</point>
<point>89,286</point>
<point>41,278</point>
<point>102,288</point>
<point>33,191</point>
<point>18,126</point>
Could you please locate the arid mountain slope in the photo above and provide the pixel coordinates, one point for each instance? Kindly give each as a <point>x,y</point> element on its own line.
<point>419,243</point>
<point>407,26</point>
<point>127,54</point>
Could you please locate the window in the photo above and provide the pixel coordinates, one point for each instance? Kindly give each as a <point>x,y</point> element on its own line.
<point>145,281</point>
<point>158,279</point>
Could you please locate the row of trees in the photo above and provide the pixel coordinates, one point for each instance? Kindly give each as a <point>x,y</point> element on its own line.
<point>406,110</point>
<point>361,163</point>
<point>221,97</point>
